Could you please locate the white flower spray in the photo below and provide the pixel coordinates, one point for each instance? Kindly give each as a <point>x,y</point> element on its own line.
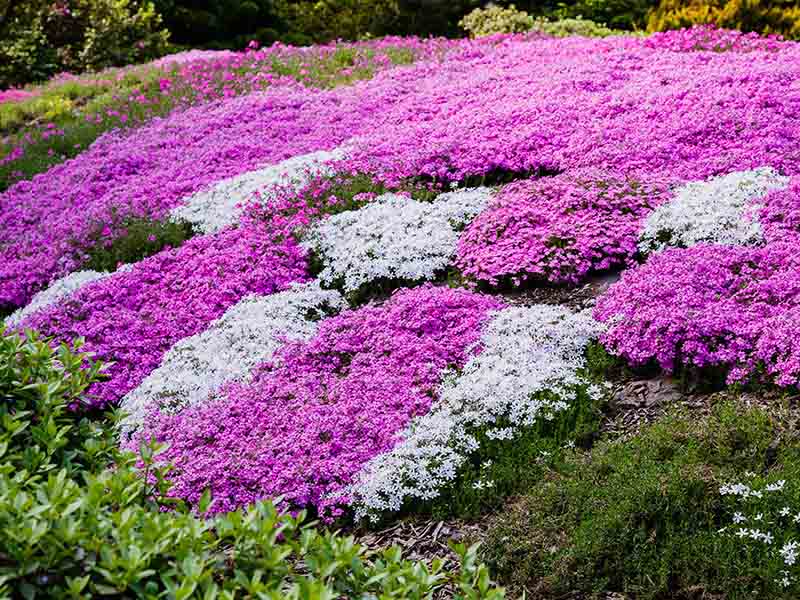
<point>393,237</point>
<point>722,210</point>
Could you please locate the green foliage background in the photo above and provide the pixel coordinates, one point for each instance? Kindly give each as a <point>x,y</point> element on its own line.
<point>39,38</point>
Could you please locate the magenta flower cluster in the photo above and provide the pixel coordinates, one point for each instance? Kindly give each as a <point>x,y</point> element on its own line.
<point>780,213</point>
<point>313,416</point>
<point>509,104</point>
<point>734,307</point>
<point>133,317</point>
<point>615,103</point>
<point>710,37</point>
<point>558,229</point>
<point>724,306</point>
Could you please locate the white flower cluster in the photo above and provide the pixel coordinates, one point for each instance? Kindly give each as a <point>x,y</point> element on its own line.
<point>528,368</point>
<point>55,292</point>
<point>721,210</point>
<point>221,205</point>
<point>248,334</point>
<point>393,237</point>
<point>755,534</point>
<point>782,526</point>
<point>789,553</point>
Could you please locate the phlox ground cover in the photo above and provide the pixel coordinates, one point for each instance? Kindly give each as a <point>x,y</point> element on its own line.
<point>135,316</point>
<point>512,104</point>
<point>315,413</point>
<point>558,229</point>
<point>246,343</point>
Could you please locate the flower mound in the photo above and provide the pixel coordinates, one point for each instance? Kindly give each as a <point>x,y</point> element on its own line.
<point>722,210</point>
<point>780,213</point>
<point>312,417</point>
<point>557,229</point>
<point>393,237</point>
<point>735,307</point>
<point>248,334</point>
<point>528,368</point>
<point>133,317</point>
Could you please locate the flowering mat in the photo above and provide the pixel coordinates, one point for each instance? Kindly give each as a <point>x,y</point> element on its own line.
<point>371,289</point>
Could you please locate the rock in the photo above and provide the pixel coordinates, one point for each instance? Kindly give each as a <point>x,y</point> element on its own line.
<point>647,393</point>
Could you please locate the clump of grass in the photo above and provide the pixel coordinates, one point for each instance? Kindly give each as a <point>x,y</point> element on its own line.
<point>138,239</point>
<point>643,516</point>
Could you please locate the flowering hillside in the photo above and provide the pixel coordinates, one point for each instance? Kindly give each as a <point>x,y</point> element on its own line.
<point>317,286</point>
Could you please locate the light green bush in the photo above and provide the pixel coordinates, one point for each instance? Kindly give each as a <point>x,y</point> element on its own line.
<point>496,19</point>
<point>576,26</point>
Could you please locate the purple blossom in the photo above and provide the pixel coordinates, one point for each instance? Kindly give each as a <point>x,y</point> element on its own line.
<point>729,306</point>
<point>558,229</point>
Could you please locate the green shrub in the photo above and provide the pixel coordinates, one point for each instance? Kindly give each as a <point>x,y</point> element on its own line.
<point>779,16</point>
<point>496,19</point>
<point>576,26</point>
<point>80,519</point>
<point>219,23</point>
<point>645,516</point>
<point>432,17</point>
<point>617,14</point>
<point>38,38</point>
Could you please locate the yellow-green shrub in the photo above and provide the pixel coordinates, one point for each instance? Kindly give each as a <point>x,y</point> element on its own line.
<point>496,19</point>
<point>576,26</point>
<point>781,16</point>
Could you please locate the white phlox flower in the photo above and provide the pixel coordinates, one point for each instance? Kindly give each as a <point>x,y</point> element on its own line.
<point>393,237</point>
<point>722,210</point>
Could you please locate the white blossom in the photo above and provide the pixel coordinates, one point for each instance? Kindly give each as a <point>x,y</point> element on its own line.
<point>721,210</point>
<point>777,486</point>
<point>529,365</point>
<point>789,553</point>
<point>220,206</point>
<point>248,334</point>
<point>393,237</point>
<point>54,293</point>
<point>736,489</point>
